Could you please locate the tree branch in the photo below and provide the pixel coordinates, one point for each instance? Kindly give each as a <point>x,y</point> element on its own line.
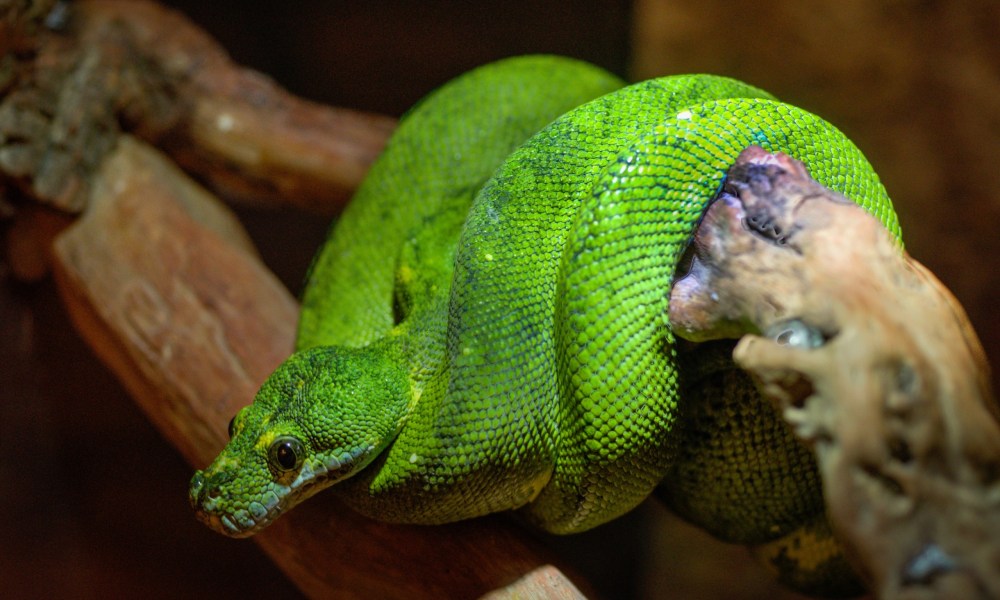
<point>872,362</point>
<point>164,284</point>
<point>159,280</point>
<point>115,65</point>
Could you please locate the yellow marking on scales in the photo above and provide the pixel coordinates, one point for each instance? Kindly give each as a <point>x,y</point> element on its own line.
<point>405,275</point>
<point>265,440</point>
<point>807,549</point>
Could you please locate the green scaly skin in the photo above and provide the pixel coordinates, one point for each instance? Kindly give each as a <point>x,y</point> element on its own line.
<point>486,327</point>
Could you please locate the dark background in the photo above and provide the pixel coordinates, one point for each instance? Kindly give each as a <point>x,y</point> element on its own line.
<point>94,501</point>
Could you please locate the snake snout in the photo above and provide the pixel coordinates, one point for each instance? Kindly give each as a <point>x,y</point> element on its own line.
<point>197,489</point>
<point>207,497</point>
<point>205,488</point>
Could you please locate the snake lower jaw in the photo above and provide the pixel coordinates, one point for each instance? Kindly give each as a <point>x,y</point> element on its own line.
<point>227,526</point>
<point>209,498</point>
<point>245,522</point>
<point>206,499</point>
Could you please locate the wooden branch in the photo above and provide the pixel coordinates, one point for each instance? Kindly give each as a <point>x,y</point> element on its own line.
<point>166,287</point>
<point>164,284</point>
<point>133,65</point>
<point>872,362</point>
<point>161,281</point>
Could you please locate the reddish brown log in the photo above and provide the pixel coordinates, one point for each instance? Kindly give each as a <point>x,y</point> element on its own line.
<point>162,283</point>
<point>29,241</point>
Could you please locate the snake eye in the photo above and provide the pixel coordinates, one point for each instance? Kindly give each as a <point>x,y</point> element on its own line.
<point>286,453</point>
<point>232,426</point>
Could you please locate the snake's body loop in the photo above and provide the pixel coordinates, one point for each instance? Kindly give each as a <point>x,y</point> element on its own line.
<point>486,327</point>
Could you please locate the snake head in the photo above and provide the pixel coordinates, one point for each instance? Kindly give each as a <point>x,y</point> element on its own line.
<point>321,417</point>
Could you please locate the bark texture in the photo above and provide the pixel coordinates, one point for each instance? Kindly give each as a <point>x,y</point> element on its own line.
<point>872,362</point>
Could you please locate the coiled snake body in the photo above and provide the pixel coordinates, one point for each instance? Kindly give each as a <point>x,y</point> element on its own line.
<point>486,327</point>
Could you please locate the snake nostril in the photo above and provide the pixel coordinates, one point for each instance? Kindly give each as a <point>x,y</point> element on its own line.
<point>208,487</point>
<point>197,489</point>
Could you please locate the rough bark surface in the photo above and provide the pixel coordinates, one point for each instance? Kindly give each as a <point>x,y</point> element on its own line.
<point>160,280</point>
<point>870,359</point>
<point>163,282</point>
<point>873,364</point>
<point>104,67</point>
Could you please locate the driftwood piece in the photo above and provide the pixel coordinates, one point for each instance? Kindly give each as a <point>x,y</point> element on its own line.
<point>872,362</point>
<point>163,284</point>
<point>108,66</point>
<point>166,288</point>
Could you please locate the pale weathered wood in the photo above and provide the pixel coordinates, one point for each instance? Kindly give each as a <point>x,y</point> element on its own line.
<point>159,279</point>
<point>872,362</point>
<point>543,582</point>
<point>165,286</point>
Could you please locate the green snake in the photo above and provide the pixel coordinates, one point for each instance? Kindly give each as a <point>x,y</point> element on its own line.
<point>486,327</point>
